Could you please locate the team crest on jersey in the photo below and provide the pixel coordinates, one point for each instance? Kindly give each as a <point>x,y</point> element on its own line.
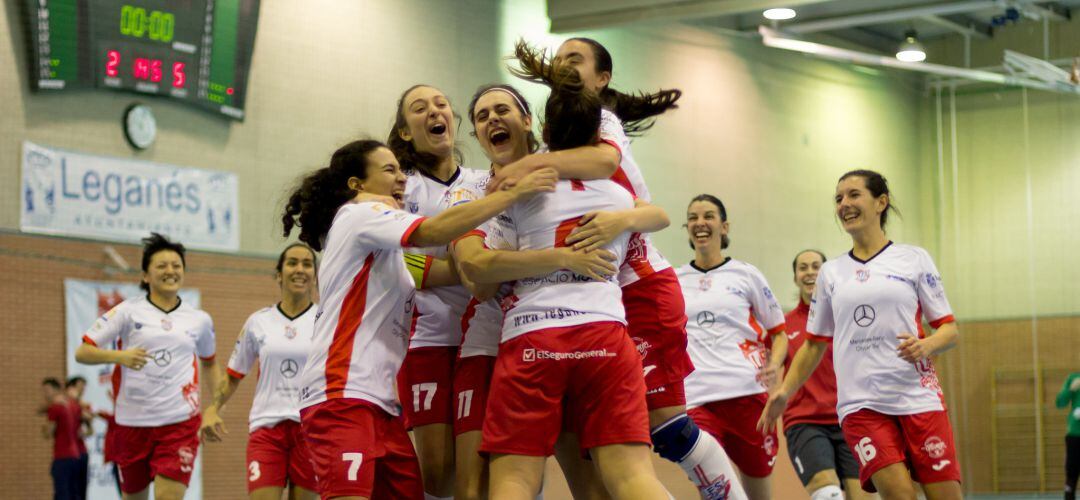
<point>932,281</point>
<point>635,250</point>
<point>861,275</point>
<point>459,196</point>
<point>413,206</point>
<point>166,324</point>
<point>705,284</point>
<point>754,352</point>
<point>290,332</point>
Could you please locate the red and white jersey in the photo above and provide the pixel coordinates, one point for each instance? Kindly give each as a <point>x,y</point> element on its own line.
<point>642,258</point>
<point>166,390</point>
<point>730,313</point>
<point>561,298</point>
<point>862,306</point>
<point>280,344</point>
<point>437,317</point>
<point>362,327</point>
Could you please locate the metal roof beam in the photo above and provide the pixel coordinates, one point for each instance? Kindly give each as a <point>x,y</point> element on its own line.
<point>973,30</point>
<point>888,16</point>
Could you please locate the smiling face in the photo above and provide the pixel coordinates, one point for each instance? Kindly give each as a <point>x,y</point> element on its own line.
<point>581,56</point>
<point>704,226</point>
<point>856,207</point>
<point>429,121</point>
<point>501,128</point>
<point>807,265</point>
<point>165,273</point>
<point>383,176</point>
<point>297,274</point>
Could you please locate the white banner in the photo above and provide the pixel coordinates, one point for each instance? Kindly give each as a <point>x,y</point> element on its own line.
<point>116,199</point>
<point>84,302</point>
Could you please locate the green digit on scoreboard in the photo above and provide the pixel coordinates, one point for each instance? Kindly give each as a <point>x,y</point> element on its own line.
<point>157,25</point>
<point>63,40</point>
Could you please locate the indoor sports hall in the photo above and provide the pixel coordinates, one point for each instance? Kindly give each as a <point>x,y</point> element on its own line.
<point>424,249</point>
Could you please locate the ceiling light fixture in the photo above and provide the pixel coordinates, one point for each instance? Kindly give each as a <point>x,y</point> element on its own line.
<point>779,14</point>
<point>910,49</point>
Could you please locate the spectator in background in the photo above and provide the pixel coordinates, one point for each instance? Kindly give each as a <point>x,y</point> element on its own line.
<point>1070,396</point>
<point>62,427</point>
<point>74,389</point>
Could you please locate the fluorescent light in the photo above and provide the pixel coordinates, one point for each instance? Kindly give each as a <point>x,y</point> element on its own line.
<point>910,49</point>
<point>779,14</point>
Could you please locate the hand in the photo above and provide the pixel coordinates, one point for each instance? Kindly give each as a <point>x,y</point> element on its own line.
<point>377,198</point>
<point>774,407</point>
<point>540,181</point>
<point>134,358</point>
<point>913,349</point>
<point>508,176</point>
<point>212,428</point>
<point>1075,385</point>
<point>596,229</point>
<point>598,265</point>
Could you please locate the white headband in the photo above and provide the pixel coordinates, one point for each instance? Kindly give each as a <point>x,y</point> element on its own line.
<point>524,109</point>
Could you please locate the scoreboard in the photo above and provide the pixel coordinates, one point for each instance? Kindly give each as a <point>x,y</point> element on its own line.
<point>195,51</point>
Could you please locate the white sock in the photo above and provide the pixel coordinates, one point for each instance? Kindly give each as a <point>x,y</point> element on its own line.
<point>830,492</point>
<point>710,470</point>
<point>429,496</point>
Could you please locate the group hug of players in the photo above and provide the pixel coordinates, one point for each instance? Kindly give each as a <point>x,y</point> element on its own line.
<point>511,314</point>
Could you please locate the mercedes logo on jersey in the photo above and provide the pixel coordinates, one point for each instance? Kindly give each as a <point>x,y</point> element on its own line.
<point>162,357</point>
<point>705,319</point>
<point>864,315</point>
<point>289,368</point>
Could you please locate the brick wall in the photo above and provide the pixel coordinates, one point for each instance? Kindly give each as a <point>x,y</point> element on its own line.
<point>32,346</point>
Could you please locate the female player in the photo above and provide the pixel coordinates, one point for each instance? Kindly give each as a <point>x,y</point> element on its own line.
<point>348,405</point>
<point>734,318</point>
<point>814,439</point>
<point>503,126</point>
<point>871,301</point>
<point>564,346</point>
<point>422,139</point>
<point>1070,397</point>
<point>651,295</point>
<point>278,338</point>
<point>157,404</point>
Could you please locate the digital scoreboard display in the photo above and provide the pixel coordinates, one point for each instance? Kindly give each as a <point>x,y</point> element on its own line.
<point>196,51</point>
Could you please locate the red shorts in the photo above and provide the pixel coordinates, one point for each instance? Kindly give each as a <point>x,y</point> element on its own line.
<point>593,368</point>
<point>656,317</point>
<point>358,449</point>
<point>143,453</point>
<point>733,422</point>
<point>666,396</point>
<point>472,378</point>
<point>277,456</point>
<point>425,386</point>
<point>923,441</point>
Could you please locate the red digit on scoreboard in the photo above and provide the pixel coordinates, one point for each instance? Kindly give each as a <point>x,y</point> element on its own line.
<point>155,70</point>
<point>179,78</point>
<point>141,69</point>
<point>112,65</point>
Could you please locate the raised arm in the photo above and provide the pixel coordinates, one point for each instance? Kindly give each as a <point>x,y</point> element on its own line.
<point>804,364</point>
<point>597,161</point>
<point>599,228</point>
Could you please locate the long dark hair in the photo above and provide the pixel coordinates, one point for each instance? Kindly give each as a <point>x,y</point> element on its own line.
<point>405,151</point>
<point>519,100</point>
<point>153,244</point>
<point>572,112</point>
<point>314,202</point>
<point>636,110</point>
<point>877,185</point>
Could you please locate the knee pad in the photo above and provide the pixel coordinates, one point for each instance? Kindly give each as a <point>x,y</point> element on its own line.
<point>676,438</point>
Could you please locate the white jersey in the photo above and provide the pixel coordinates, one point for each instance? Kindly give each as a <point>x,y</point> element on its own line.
<point>562,298</point>
<point>437,317</point>
<point>362,327</point>
<point>280,344</point>
<point>862,306</point>
<point>642,258</point>
<point>166,390</point>
<point>730,313</point>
